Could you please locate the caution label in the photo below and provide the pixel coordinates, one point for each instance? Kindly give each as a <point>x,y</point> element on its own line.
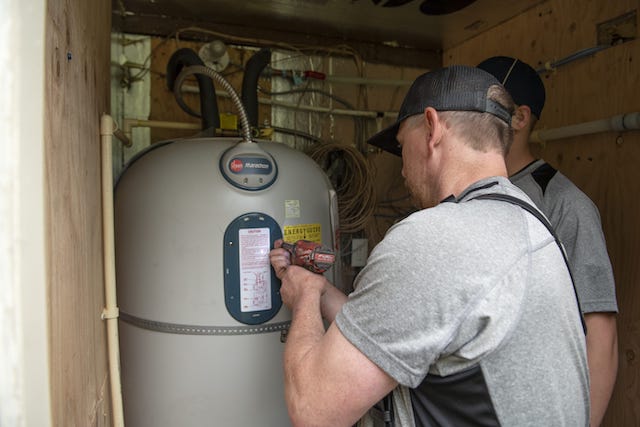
<point>293,233</point>
<point>292,208</point>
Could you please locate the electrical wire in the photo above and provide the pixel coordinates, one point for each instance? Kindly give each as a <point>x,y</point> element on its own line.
<point>309,90</point>
<point>352,179</point>
<point>341,49</point>
<point>299,133</point>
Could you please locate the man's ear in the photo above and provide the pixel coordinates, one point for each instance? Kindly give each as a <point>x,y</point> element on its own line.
<point>521,118</point>
<point>435,127</point>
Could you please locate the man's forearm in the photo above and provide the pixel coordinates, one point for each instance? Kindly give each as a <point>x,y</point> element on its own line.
<point>305,332</point>
<point>602,354</point>
<point>331,302</point>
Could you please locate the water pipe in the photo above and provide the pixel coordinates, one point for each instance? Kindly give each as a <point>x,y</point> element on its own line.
<point>110,313</point>
<point>128,124</point>
<point>619,123</point>
<point>299,75</point>
<point>208,105</point>
<point>551,66</point>
<point>201,69</point>
<point>254,67</point>
<point>311,108</point>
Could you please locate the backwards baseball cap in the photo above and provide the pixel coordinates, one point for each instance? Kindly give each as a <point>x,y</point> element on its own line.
<point>454,88</point>
<point>520,79</point>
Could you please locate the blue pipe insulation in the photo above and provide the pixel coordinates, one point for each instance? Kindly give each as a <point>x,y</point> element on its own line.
<point>208,105</point>
<point>254,67</point>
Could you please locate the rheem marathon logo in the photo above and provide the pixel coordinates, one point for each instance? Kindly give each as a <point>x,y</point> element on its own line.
<point>235,165</point>
<point>250,165</point>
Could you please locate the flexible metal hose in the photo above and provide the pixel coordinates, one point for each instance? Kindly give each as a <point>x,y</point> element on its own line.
<point>201,69</point>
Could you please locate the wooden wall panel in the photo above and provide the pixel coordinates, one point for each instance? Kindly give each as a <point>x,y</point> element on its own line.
<point>604,165</point>
<point>77,92</point>
<point>393,202</point>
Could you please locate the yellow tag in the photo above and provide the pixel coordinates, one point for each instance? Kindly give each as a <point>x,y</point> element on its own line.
<point>228,121</point>
<point>293,233</point>
<point>266,133</point>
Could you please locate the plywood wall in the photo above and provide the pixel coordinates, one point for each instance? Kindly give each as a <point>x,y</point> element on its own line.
<point>604,165</point>
<point>77,92</point>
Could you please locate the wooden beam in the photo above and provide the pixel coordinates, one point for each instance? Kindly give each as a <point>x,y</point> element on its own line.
<point>169,26</point>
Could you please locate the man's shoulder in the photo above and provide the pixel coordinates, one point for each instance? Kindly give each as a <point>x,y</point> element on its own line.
<point>564,196</point>
<point>550,188</point>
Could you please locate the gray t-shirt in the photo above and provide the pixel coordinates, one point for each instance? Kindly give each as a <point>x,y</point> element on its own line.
<point>577,222</point>
<point>474,285</point>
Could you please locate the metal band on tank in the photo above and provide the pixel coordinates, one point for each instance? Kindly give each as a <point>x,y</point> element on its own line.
<point>175,328</point>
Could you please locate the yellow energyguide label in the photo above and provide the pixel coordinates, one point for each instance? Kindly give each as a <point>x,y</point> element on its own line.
<point>293,233</point>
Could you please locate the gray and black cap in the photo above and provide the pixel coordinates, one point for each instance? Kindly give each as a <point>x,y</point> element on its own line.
<point>455,88</point>
<point>520,79</point>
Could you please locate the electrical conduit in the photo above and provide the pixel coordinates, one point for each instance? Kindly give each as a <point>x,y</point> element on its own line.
<point>110,313</point>
<point>619,123</point>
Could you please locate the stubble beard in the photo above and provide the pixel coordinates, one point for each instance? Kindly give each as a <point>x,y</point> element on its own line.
<point>413,196</point>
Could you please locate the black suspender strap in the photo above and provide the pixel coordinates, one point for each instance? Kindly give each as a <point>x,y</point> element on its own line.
<point>535,212</point>
<point>382,412</point>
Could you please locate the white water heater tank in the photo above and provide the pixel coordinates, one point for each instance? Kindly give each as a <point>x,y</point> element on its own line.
<point>201,320</point>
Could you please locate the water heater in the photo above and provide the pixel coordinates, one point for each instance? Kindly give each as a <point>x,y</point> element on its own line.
<point>202,323</point>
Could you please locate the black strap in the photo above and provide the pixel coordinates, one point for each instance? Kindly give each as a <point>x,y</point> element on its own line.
<point>535,212</point>
<point>382,412</point>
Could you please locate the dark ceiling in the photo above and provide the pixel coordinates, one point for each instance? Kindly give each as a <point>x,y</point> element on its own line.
<point>402,32</point>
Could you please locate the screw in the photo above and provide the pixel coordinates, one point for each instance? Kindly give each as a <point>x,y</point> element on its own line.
<point>630,355</point>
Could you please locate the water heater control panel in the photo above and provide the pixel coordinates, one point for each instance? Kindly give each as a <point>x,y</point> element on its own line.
<point>251,288</point>
<point>247,166</point>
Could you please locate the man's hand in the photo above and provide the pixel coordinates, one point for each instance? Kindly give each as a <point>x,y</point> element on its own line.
<point>297,282</point>
<point>280,258</point>
<point>320,388</point>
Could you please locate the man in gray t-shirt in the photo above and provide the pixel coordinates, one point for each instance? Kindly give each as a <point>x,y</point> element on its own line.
<point>467,303</point>
<point>576,221</point>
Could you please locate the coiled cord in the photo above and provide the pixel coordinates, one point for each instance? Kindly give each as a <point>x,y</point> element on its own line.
<point>352,178</point>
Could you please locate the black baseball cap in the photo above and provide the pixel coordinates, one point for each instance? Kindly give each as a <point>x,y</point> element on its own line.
<point>520,79</point>
<point>454,88</point>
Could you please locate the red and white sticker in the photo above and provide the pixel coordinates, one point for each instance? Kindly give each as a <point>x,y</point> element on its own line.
<point>236,165</point>
<point>255,269</point>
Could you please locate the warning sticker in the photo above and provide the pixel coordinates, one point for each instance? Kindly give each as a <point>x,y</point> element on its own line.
<point>292,208</point>
<point>293,233</point>
<point>255,276</point>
